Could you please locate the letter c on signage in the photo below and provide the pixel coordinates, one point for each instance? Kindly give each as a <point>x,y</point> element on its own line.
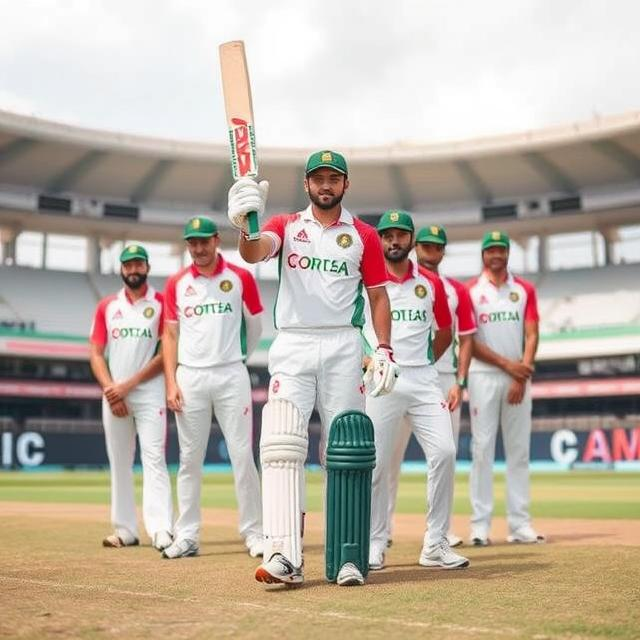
<point>564,446</point>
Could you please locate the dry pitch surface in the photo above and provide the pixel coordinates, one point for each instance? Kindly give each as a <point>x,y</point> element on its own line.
<point>56,581</point>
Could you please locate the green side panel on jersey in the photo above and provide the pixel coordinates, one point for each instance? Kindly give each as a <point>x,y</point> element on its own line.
<point>275,304</point>
<point>243,337</point>
<point>351,457</point>
<point>366,347</point>
<point>430,355</point>
<point>455,349</point>
<point>357,318</point>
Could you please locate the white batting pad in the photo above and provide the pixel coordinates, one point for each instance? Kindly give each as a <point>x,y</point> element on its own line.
<point>283,450</point>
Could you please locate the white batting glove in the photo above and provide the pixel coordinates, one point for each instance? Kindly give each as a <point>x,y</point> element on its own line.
<point>246,195</point>
<point>382,373</point>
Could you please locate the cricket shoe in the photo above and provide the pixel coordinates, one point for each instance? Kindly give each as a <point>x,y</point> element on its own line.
<point>184,548</point>
<point>255,545</point>
<point>454,540</point>
<point>526,534</point>
<point>376,559</point>
<point>440,555</point>
<point>162,540</point>
<point>349,576</point>
<point>278,570</point>
<point>117,542</point>
<point>479,538</point>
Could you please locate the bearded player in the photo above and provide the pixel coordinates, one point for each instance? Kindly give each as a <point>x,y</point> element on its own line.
<point>126,330</point>
<point>418,308</point>
<point>327,260</point>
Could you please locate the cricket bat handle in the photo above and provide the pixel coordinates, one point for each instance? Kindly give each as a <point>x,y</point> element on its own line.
<point>254,225</point>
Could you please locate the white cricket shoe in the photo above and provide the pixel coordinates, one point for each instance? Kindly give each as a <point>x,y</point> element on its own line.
<point>255,545</point>
<point>279,570</point>
<point>162,540</point>
<point>454,540</point>
<point>184,548</point>
<point>440,555</point>
<point>376,559</point>
<point>349,576</point>
<point>479,537</point>
<point>526,534</point>
<point>115,541</point>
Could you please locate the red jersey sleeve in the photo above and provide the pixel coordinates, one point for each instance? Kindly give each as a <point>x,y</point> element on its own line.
<point>99,325</point>
<point>464,312</point>
<point>372,266</point>
<point>531,308</point>
<point>160,298</point>
<point>275,226</point>
<point>250,291</point>
<point>170,306</point>
<point>441,311</point>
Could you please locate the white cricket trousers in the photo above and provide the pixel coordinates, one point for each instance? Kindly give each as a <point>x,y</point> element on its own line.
<point>148,418</point>
<point>417,397</point>
<point>321,367</point>
<point>489,409</point>
<point>226,392</point>
<point>445,381</point>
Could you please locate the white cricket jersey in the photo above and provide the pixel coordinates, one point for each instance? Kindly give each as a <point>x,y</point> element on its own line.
<point>418,304</point>
<point>464,322</point>
<point>323,269</point>
<point>209,311</point>
<point>130,331</point>
<point>501,313</point>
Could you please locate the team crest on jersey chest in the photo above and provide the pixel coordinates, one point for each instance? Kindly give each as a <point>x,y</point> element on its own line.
<point>344,240</point>
<point>148,312</point>
<point>420,291</point>
<point>226,286</point>
<point>514,296</point>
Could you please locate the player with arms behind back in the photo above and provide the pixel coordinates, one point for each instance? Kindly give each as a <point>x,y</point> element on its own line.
<point>326,257</point>
<point>127,329</point>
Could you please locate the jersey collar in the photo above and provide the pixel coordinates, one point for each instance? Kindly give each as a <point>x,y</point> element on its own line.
<point>345,217</point>
<point>220,265</point>
<point>149,293</point>
<point>485,279</point>
<point>407,276</point>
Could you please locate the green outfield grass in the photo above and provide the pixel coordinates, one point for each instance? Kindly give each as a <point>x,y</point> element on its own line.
<point>578,494</point>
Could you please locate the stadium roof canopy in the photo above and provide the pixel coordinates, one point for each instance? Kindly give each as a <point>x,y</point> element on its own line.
<point>583,176</point>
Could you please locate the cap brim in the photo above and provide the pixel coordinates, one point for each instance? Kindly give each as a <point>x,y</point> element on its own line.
<point>495,243</point>
<point>402,227</point>
<point>430,240</point>
<point>130,258</point>
<point>326,166</point>
<point>199,234</point>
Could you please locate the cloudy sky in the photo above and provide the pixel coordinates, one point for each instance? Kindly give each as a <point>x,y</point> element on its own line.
<point>334,72</point>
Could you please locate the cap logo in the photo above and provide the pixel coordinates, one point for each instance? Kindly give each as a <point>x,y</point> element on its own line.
<point>326,157</point>
<point>226,285</point>
<point>148,312</point>
<point>495,235</point>
<point>133,248</point>
<point>195,223</point>
<point>420,291</point>
<point>435,231</point>
<point>394,216</point>
<point>514,297</point>
<point>344,240</point>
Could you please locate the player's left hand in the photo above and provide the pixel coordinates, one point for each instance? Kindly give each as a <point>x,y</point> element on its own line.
<point>116,392</point>
<point>454,397</point>
<point>246,195</point>
<point>382,373</point>
<point>516,391</point>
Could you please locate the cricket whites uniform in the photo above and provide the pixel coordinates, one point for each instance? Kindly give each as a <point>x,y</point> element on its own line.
<point>501,313</point>
<point>210,312</point>
<point>316,358</point>
<point>418,304</point>
<point>130,331</point>
<point>464,323</point>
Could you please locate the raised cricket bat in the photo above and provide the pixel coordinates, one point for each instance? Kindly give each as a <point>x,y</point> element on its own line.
<point>239,108</point>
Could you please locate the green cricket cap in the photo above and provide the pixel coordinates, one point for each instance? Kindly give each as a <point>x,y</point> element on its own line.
<point>329,159</point>
<point>134,252</point>
<point>433,234</point>
<point>495,239</point>
<point>395,219</point>
<point>200,227</point>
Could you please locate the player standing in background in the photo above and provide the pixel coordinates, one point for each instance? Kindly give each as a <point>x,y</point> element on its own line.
<point>213,322</point>
<point>129,325</point>
<point>453,365</point>
<point>418,309</point>
<point>504,350</point>
<point>326,257</point>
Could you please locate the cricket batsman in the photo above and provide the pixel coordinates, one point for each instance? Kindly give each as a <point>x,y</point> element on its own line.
<point>126,361</point>
<point>418,310</point>
<point>213,322</point>
<point>504,350</point>
<point>328,259</point>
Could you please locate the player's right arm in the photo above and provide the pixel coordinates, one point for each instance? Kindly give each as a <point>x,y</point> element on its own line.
<point>516,369</point>
<point>246,195</point>
<point>170,346</point>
